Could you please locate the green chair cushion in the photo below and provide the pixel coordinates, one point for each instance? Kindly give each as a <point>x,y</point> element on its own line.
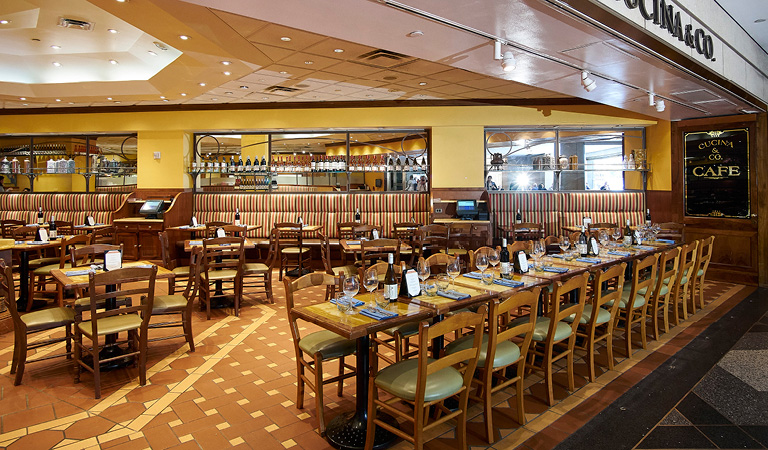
<point>603,315</point>
<point>406,329</point>
<point>457,251</point>
<point>639,300</point>
<point>348,270</point>
<point>700,272</point>
<point>46,270</point>
<point>562,330</point>
<point>506,352</point>
<point>329,344</point>
<point>294,250</point>
<point>112,324</point>
<point>37,262</point>
<point>254,268</point>
<point>684,279</point>
<point>400,380</point>
<point>182,271</point>
<point>168,303</point>
<point>663,291</point>
<point>226,274</point>
<point>48,318</point>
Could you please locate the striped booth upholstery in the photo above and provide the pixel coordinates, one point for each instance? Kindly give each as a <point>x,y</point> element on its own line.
<point>74,207</point>
<point>315,209</point>
<point>538,207</point>
<point>614,207</point>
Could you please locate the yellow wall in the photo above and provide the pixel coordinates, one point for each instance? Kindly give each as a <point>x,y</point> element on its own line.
<point>457,132</point>
<point>659,144</point>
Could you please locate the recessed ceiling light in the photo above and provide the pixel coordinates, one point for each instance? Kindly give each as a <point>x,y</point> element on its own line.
<point>22,98</point>
<point>25,104</point>
<point>243,87</point>
<point>183,94</point>
<point>285,39</point>
<point>226,63</point>
<point>309,62</point>
<point>201,84</point>
<point>423,83</point>
<point>228,92</point>
<point>214,99</point>
<point>165,100</point>
<point>417,33</point>
<point>55,47</point>
<point>756,20</point>
<point>160,45</point>
<point>4,22</point>
<point>121,1</point>
<point>112,30</point>
<point>227,73</point>
<point>113,62</point>
<point>183,37</point>
<point>162,96</point>
<point>152,53</point>
<point>58,99</point>
<point>117,101</point>
<point>109,98</point>
<point>57,64</point>
<point>283,72</point>
<point>71,103</point>
<point>338,50</point>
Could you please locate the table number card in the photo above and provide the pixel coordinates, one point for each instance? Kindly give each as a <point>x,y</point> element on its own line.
<point>220,233</point>
<point>42,235</point>
<point>375,233</point>
<point>113,259</point>
<point>412,282</point>
<point>522,260</point>
<point>89,221</point>
<point>595,247</point>
<point>193,222</point>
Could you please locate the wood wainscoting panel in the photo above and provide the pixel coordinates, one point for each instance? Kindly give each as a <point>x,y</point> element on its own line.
<point>734,258</point>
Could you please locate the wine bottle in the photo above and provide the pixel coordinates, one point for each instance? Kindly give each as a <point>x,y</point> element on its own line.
<point>264,166</point>
<point>52,228</point>
<point>357,215</point>
<point>504,258</point>
<point>628,238</point>
<point>382,164</point>
<point>237,216</point>
<point>390,282</point>
<point>240,165</point>
<point>312,164</point>
<point>518,216</point>
<point>40,215</point>
<point>247,166</point>
<point>582,244</point>
<point>232,164</point>
<point>648,217</point>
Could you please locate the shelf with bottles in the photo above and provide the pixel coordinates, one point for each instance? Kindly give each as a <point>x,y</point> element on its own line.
<point>569,168</point>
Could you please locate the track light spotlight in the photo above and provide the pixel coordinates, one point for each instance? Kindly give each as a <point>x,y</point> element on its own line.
<point>588,83</point>
<point>659,104</point>
<point>507,59</point>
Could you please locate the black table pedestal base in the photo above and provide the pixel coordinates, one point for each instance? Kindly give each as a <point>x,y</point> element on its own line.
<point>347,432</point>
<point>294,273</point>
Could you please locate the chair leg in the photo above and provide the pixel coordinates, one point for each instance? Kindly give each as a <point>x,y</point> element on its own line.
<point>20,357</point>
<point>340,384</point>
<point>299,384</point>
<point>186,320</point>
<point>461,423</point>
<point>96,368</point>
<point>68,342</point>
<point>569,359</point>
<point>520,399</point>
<point>548,377</point>
<point>487,406</point>
<point>609,349</point>
<point>590,360</point>
<point>78,353</point>
<point>319,392</point>
<point>142,338</point>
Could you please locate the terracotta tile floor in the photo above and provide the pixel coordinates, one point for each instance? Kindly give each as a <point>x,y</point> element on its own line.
<point>238,389</point>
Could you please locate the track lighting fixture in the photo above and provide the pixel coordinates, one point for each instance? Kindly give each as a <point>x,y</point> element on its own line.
<point>507,59</point>
<point>659,104</point>
<point>588,83</point>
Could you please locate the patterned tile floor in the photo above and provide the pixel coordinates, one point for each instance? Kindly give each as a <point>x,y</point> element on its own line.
<point>238,389</point>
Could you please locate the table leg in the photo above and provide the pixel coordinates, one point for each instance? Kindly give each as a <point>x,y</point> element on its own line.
<point>21,302</point>
<point>347,431</point>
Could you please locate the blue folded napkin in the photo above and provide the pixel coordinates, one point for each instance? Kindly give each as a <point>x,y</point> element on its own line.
<point>589,260</point>
<point>618,253</point>
<point>558,255</point>
<point>473,275</point>
<point>195,242</point>
<point>355,304</point>
<point>453,295</point>
<point>555,269</point>
<point>378,313</point>
<point>144,266</point>
<point>665,241</point>
<point>74,273</point>
<point>184,227</point>
<point>353,242</point>
<point>645,247</point>
<point>508,283</point>
<point>37,242</point>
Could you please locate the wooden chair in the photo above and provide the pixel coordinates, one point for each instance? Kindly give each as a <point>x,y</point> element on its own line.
<point>131,319</point>
<point>440,262</point>
<point>320,347</point>
<point>8,225</point>
<point>519,245</point>
<point>211,226</point>
<point>345,230</point>
<point>180,273</point>
<point>703,257</point>
<point>234,230</point>
<point>423,382</point>
<point>378,250</point>
<point>480,235</point>
<point>259,275</point>
<point>41,276</point>
<point>431,239</point>
<point>640,290</point>
<point>65,228</point>
<point>528,231</point>
<point>330,269</point>
<point>46,320</point>
<point>292,251</point>
<point>685,274</point>
<point>598,317</point>
<point>473,255</point>
<point>551,240</point>
<point>672,230</point>
<point>662,291</point>
<point>222,264</point>
<point>553,338</point>
<point>365,231</point>
<point>104,235</point>
<point>602,225</point>
<point>460,239</point>
<point>179,304</point>
<point>24,233</point>
<point>505,346</point>
<point>406,233</point>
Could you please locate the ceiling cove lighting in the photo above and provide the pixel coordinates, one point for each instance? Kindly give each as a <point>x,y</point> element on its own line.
<point>55,47</point>
<point>588,83</point>
<point>226,63</point>
<point>507,58</point>
<point>113,62</point>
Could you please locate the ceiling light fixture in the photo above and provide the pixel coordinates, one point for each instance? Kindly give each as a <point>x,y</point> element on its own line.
<point>423,83</point>
<point>226,63</point>
<point>22,98</point>
<point>4,22</point>
<point>162,96</point>
<point>243,87</point>
<point>57,64</point>
<point>285,39</point>
<point>588,83</point>
<point>183,94</point>
<point>309,62</point>
<point>58,99</point>
<point>160,45</point>
<point>55,47</point>
<point>183,37</point>
<point>338,50</point>
<point>507,58</point>
<point>659,104</point>
<point>109,98</point>
<point>283,72</point>
<point>201,84</point>
<point>112,30</point>
<point>416,33</point>
<point>151,53</point>
<point>113,62</point>
<point>227,73</point>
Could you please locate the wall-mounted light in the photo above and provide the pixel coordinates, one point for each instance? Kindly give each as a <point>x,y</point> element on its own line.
<point>588,83</point>
<point>507,58</point>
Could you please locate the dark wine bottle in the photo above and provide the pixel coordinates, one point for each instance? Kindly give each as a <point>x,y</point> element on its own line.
<point>648,217</point>
<point>390,282</point>
<point>240,165</point>
<point>247,167</point>
<point>52,233</point>
<point>357,215</point>
<point>237,216</point>
<point>582,244</point>
<point>40,215</point>
<point>518,216</point>
<point>628,236</point>
<point>504,258</point>
<point>232,164</point>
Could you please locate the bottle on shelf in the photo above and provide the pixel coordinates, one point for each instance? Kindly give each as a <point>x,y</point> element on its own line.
<point>264,166</point>
<point>423,164</point>
<point>237,216</point>
<point>15,166</point>
<point>582,245</point>
<point>628,236</point>
<point>52,233</point>
<point>40,215</point>
<point>256,167</point>
<point>27,166</point>
<point>300,221</point>
<point>390,282</point>
<point>390,165</point>
<point>382,163</point>
<point>357,215</point>
<point>232,164</point>
<point>312,164</point>
<point>61,165</point>
<point>518,216</point>
<point>71,165</point>
<point>398,165</point>
<point>50,166</point>
<point>247,167</point>
<point>631,161</point>
<point>504,258</point>
<point>648,217</point>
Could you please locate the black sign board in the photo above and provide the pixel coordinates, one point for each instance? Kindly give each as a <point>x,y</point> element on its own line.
<point>717,173</point>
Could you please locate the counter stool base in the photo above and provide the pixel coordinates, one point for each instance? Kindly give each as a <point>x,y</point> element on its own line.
<point>347,432</point>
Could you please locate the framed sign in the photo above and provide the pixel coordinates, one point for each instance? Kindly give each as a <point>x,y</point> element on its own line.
<point>717,173</point>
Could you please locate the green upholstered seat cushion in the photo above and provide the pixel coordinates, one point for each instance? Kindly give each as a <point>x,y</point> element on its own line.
<point>603,315</point>
<point>457,251</point>
<point>294,250</point>
<point>506,352</point>
<point>253,268</point>
<point>406,329</point>
<point>181,271</point>
<point>684,279</point>
<point>639,299</point>
<point>226,274</point>
<point>46,270</point>
<point>85,302</point>
<point>329,344</point>
<point>562,330</point>
<point>168,303</point>
<point>37,262</point>
<point>400,379</point>
<point>48,318</point>
<point>112,324</point>
<point>700,272</point>
<point>348,270</point>
<point>663,291</point>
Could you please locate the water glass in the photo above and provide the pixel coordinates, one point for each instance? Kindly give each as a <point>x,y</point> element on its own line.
<point>487,277</point>
<point>442,281</point>
<point>481,262</point>
<point>564,243</point>
<point>430,287</point>
<point>380,300</point>
<point>422,269</point>
<point>344,304</point>
<point>493,258</point>
<point>454,270</point>
<point>351,286</point>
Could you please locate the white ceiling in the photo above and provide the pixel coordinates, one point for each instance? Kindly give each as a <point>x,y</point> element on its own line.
<point>752,16</point>
<point>339,50</point>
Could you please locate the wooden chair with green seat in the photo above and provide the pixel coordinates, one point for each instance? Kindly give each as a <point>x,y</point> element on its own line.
<point>128,318</point>
<point>553,338</point>
<point>406,232</point>
<point>45,320</point>
<point>83,257</point>
<point>259,275</point>
<point>179,304</point>
<point>685,275</point>
<point>598,317</point>
<point>372,251</point>
<point>703,257</point>
<point>320,347</point>
<point>424,382</point>
<point>431,239</point>
<point>180,273</point>
<point>640,289</point>
<point>222,266</point>
<point>292,252</point>
<point>39,258</point>
<point>345,230</point>
<point>662,290</point>
<point>41,276</point>
<point>505,346</point>
<point>330,269</point>
<point>460,240</point>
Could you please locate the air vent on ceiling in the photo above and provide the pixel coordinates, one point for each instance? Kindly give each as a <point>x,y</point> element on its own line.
<point>278,88</point>
<point>383,58</point>
<point>696,96</point>
<point>75,24</point>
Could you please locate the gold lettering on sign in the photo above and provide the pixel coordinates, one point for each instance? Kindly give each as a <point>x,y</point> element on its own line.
<point>716,172</point>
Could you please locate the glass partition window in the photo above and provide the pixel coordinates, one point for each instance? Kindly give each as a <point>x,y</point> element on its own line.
<point>566,160</point>
<point>316,161</point>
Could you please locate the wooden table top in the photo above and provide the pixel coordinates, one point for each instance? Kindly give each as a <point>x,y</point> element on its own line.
<point>31,245</point>
<point>81,281</point>
<point>442,305</point>
<point>190,243</point>
<point>305,229</point>
<point>346,246</point>
<point>353,326</point>
<point>528,282</point>
<point>89,228</point>
<point>202,227</point>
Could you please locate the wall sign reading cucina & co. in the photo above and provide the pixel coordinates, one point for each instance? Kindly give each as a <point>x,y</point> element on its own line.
<point>717,173</point>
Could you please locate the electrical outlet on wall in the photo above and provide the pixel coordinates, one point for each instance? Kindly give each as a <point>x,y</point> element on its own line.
<point>438,210</point>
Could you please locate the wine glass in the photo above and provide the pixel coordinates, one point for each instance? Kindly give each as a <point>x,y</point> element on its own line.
<point>493,258</point>
<point>538,252</point>
<point>564,243</point>
<point>351,287</point>
<point>371,282</point>
<point>617,234</point>
<point>481,262</point>
<point>453,270</point>
<point>422,269</point>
